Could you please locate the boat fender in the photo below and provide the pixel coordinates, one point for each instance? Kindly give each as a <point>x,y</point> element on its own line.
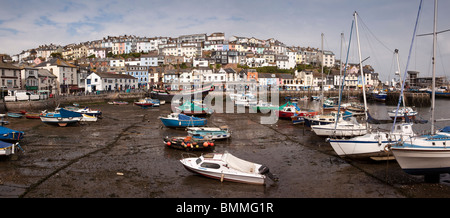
<point>168,143</point>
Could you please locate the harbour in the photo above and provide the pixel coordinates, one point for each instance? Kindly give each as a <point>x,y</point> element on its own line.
<point>123,155</point>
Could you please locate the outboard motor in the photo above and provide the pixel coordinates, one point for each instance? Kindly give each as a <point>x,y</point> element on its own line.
<point>264,170</point>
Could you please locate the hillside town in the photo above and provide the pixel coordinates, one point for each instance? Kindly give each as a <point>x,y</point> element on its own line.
<point>130,62</point>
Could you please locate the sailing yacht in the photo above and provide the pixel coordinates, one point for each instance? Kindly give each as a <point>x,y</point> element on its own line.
<point>425,154</point>
<point>375,144</point>
<point>349,127</point>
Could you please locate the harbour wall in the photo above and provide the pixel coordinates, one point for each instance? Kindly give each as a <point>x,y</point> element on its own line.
<point>411,99</point>
<point>51,103</point>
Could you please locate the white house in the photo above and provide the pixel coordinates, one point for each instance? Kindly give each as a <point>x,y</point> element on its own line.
<point>109,82</point>
<point>66,74</point>
<point>150,60</point>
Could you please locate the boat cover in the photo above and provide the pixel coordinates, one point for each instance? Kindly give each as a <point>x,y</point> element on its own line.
<point>445,129</point>
<point>5,144</point>
<point>190,106</point>
<point>186,117</point>
<point>239,164</point>
<point>289,104</point>
<point>66,113</point>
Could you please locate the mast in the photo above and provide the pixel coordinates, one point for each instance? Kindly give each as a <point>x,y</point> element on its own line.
<point>433,85</point>
<point>363,80</point>
<point>340,69</point>
<point>400,74</point>
<point>321,99</point>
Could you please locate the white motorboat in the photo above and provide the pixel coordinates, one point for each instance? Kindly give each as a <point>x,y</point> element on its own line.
<point>88,118</point>
<point>344,128</point>
<point>246,100</point>
<point>402,113</point>
<point>226,167</point>
<point>371,144</point>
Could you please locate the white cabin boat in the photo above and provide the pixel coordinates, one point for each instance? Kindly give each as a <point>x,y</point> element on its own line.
<point>371,144</point>
<point>344,128</point>
<point>226,167</point>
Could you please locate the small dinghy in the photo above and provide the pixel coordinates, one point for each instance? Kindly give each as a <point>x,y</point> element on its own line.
<point>225,166</point>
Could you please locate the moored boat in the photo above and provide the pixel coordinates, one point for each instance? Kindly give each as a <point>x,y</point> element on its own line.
<point>214,133</point>
<point>7,148</point>
<point>30,115</point>
<point>189,143</point>
<point>226,167</point>
<point>371,144</point>
<point>177,120</point>
<point>10,135</point>
<point>63,117</point>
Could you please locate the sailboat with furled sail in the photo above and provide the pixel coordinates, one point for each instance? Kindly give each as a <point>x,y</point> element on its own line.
<point>374,143</point>
<point>426,155</point>
<point>341,127</point>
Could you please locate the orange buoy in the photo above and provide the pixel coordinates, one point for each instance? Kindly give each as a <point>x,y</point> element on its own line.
<point>168,143</point>
<point>205,144</point>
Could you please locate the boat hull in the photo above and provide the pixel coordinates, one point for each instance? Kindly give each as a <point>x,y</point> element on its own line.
<point>182,123</point>
<point>256,180</point>
<point>7,148</point>
<point>423,161</point>
<point>328,130</point>
<point>365,145</point>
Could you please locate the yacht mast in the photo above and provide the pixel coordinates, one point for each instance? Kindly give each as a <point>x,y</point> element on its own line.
<point>363,80</point>
<point>400,74</point>
<point>321,98</point>
<point>433,85</point>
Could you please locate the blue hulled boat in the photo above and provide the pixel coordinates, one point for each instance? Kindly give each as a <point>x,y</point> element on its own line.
<point>62,118</point>
<point>181,120</point>
<point>7,134</point>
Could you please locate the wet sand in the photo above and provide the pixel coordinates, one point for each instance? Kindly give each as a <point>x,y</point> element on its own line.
<point>123,156</point>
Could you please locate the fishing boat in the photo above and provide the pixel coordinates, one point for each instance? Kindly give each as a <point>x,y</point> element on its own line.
<point>343,128</point>
<point>402,113</point>
<point>62,118</point>
<point>118,102</point>
<point>246,100</point>
<point>189,108</point>
<point>214,133</point>
<point>7,148</point>
<point>148,102</point>
<point>30,115</point>
<point>428,154</point>
<point>330,102</point>
<point>323,119</point>
<point>292,98</point>
<point>373,144</point>
<point>290,110</point>
<point>226,167</point>
<point>90,112</point>
<point>264,106</point>
<point>10,135</point>
<point>189,143</point>
<point>88,118</point>
<point>379,95</point>
<point>14,115</point>
<point>287,110</point>
<point>178,120</point>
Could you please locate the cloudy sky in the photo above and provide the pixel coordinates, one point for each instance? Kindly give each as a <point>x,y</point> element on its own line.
<point>384,25</point>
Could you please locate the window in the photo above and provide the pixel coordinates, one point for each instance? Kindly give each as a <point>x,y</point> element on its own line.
<point>210,165</point>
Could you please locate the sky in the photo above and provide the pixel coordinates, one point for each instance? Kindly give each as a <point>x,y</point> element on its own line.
<point>384,25</point>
